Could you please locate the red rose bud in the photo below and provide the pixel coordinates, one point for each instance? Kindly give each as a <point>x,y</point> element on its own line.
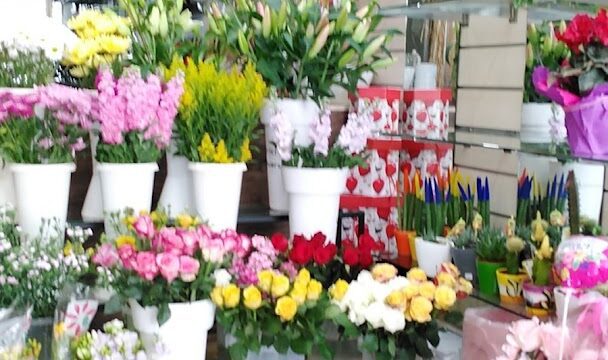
<point>366,260</point>
<point>350,256</point>
<point>301,253</point>
<point>280,242</point>
<point>324,255</point>
<point>318,240</point>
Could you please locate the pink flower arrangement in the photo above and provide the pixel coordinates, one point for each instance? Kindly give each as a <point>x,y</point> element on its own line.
<point>255,255</point>
<point>16,106</point>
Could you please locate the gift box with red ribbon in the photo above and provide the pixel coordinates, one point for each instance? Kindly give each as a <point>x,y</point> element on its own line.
<point>383,103</point>
<point>429,159</point>
<point>426,113</point>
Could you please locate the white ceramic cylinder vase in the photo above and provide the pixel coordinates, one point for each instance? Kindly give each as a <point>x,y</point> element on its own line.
<point>301,114</point>
<point>432,254</point>
<point>183,336</point>
<point>217,193</point>
<point>92,208</point>
<point>314,199</point>
<point>266,352</point>
<point>425,76</point>
<point>42,192</point>
<point>176,196</point>
<point>125,186</point>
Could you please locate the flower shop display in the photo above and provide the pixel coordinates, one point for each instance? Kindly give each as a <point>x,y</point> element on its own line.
<point>491,254</point>
<point>23,68</point>
<point>315,175</point>
<point>136,118</point>
<point>218,114</point>
<point>395,315</point>
<point>531,199</point>
<point>410,217</point>
<point>511,278</point>
<point>41,146</point>
<point>580,83</point>
<point>114,341</point>
<point>164,274</point>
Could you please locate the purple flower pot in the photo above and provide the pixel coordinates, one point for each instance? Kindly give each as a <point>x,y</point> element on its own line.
<point>587,125</point>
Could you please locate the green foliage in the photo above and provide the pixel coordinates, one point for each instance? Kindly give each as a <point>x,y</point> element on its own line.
<point>24,68</point>
<point>491,245</point>
<point>336,158</point>
<point>467,239</point>
<point>413,341</point>
<point>573,205</point>
<point>135,149</point>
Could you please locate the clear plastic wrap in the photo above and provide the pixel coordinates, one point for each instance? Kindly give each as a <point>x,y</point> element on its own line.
<point>14,325</point>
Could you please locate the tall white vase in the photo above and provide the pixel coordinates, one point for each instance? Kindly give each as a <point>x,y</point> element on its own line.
<point>92,208</point>
<point>176,196</point>
<point>301,114</point>
<point>314,199</point>
<point>183,336</point>
<point>42,192</point>
<point>125,186</point>
<point>217,193</point>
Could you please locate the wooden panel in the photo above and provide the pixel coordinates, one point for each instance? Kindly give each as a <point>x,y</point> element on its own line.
<point>503,190</point>
<point>604,222</point>
<point>486,159</point>
<point>489,109</point>
<point>392,75</point>
<point>493,67</point>
<point>486,30</point>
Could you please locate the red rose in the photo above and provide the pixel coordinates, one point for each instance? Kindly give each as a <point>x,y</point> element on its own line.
<point>297,239</point>
<point>325,254</point>
<point>351,256</point>
<point>579,32</point>
<point>301,253</point>
<point>367,243</point>
<point>280,242</point>
<point>365,259</point>
<point>601,27</point>
<point>318,240</point>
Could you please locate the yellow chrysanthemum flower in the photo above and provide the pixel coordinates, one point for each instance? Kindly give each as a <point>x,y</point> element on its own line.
<point>206,150</point>
<point>245,151</point>
<point>221,154</point>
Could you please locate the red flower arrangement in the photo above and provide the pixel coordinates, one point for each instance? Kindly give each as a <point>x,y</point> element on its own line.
<point>584,30</point>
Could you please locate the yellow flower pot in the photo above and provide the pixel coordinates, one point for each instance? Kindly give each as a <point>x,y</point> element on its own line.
<point>511,286</point>
<point>412,239</point>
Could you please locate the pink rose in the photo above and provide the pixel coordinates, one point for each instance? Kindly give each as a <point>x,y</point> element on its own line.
<point>525,335</point>
<point>168,263</point>
<point>189,239</point>
<point>170,241</point>
<point>127,255</point>
<point>144,226</point>
<point>550,339</point>
<point>106,255</point>
<point>146,265</point>
<point>188,268</point>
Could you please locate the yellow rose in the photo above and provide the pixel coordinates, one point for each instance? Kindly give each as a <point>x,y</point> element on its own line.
<point>280,285</point>
<point>265,280</point>
<point>252,297</point>
<point>286,308</point>
<point>427,289</point>
<point>315,289</point>
<point>216,296</point>
<point>465,286</point>
<point>420,309</point>
<point>125,240</point>
<point>444,278</point>
<point>411,290</point>
<point>338,290</point>
<point>232,295</point>
<point>384,272</point>
<point>416,274</point>
<point>298,293</point>
<point>445,297</point>
<point>396,300</point>
<point>303,277</point>
<point>184,221</point>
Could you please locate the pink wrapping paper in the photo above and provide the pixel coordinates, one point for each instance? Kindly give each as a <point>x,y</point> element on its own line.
<point>587,125</point>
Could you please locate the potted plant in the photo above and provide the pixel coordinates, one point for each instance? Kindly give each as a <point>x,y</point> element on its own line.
<point>542,121</point>
<point>277,318</point>
<point>134,132</point>
<point>580,83</point>
<point>464,240</point>
<point>217,117</point>
<point>491,254</point>
<point>40,147</point>
<point>511,278</point>
<point>164,275</point>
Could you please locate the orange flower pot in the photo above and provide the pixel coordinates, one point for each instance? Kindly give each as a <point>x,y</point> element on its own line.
<point>403,243</point>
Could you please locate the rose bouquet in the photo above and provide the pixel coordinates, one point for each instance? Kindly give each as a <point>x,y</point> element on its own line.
<point>113,342</point>
<point>276,312</point>
<point>396,315</point>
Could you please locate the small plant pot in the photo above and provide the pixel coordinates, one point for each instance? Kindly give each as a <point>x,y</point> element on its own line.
<point>432,254</point>
<point>540,299</point>
<point>510,286</point>
<point>403,243</point>
<point>486,272</point>
<point>412,239</point>
<point>464,259</point>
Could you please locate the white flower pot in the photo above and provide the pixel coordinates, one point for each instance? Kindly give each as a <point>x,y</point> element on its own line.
<point>431,254</point>
<point>125,186</point>
<point>301,113</point>
<point>217,193</point>
<point>266,352</point>
<point>92,208</point>
<point>176,196</point>
<point>314,199</point>
<point>183,336</point>
<point>42,192</point>
<point>542,123</point>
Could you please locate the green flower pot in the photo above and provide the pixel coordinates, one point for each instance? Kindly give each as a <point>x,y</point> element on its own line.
<point>486,274</point>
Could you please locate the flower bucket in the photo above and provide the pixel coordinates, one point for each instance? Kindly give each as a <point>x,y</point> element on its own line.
<point>540,299</point>
<point>510,286</point>
<point>432,254</point>
<point>486,273</point>
<point>176,196</point>
<point>314,200</point>
<point>217,193</point>
<point>464,259</point>
<point>301,113</point>
<point>42,192</point>
<point>183,336</point>
<point>587,126</point>
<point>266,352</point>
<point>125,186</point>
<point>92,208</point>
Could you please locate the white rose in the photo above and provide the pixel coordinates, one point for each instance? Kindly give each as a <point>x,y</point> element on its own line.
<point>365,278</point>
<point>398,282</point>
<point>374,314</point>
<point>222,277</point>
<point>393,320</point>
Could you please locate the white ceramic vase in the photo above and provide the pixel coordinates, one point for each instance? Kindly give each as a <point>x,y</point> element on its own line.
<point>266,352</point>
<point>176,196</point>
<point>92,208</point>
<point>301,114</point>
<point>314,199</point>
<point>217,193</point>
<point>183,336</point>
<point>42,192</point>
<point>432,254</point>
<point>542,123</point>
<point>125,186</point>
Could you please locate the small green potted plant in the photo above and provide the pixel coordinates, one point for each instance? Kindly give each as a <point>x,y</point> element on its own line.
<point>491,254</point>
<point>511,278</point>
